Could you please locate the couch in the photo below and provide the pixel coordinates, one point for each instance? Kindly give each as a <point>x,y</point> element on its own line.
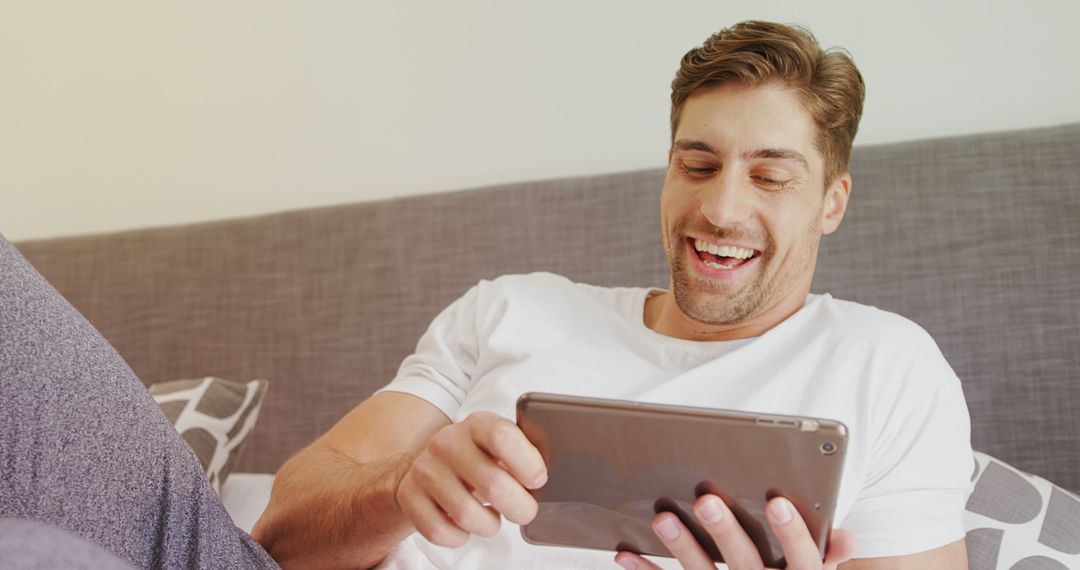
<point>976,238</point>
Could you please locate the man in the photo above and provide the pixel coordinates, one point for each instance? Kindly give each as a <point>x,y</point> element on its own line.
<point>762,126</point>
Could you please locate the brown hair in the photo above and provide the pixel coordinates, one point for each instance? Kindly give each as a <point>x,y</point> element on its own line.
<point>755,53</point>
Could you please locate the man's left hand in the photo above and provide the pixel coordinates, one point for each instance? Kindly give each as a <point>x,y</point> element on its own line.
<point>800,550</point>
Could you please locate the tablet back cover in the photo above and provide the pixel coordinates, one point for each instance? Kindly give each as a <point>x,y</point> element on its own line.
<point>613,465</point>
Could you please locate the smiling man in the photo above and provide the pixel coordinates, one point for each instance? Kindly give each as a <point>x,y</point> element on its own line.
<point>743,211</point>
<point>423,473</point>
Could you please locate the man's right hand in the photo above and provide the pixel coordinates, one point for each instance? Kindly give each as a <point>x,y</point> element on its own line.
<point>468,474</point>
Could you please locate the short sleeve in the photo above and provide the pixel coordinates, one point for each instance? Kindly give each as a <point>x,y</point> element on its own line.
<point>919,478</point>
<point>442,368</point>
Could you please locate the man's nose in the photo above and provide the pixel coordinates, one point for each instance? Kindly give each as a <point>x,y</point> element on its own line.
<point>726,201</point>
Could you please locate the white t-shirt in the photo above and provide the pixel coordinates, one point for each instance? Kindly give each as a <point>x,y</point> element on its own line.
<point>909,460</point>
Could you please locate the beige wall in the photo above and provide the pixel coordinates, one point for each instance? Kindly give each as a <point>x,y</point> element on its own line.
<point>122,114</point>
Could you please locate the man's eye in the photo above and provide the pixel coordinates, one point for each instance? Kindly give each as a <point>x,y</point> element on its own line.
<point>772,182</point>
<point>698,170</point>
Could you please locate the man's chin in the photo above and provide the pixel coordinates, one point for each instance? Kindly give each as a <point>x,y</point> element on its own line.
<point>718,319</point>
<point>715,303</point>
<point>707,311</point>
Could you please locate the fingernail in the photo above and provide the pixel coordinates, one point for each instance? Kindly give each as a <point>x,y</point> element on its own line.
<point>780,510</point>
<point>627,562</point>
<point>710,511</point>
<point>667,528</point>
<point>539,482</point>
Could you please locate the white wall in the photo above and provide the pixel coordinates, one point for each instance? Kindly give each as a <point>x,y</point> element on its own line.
<point>122,114</point>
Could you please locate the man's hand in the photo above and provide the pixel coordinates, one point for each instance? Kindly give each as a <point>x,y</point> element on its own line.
<point>468,474</point>
<point>738,550</point>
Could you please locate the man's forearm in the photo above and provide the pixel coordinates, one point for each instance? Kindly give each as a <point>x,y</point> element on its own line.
<point>329,511</point>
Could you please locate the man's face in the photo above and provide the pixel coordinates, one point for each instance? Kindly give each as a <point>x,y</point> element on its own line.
<point>744,204</point>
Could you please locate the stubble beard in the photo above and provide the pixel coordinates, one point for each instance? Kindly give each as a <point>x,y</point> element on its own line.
<point>716,303</point>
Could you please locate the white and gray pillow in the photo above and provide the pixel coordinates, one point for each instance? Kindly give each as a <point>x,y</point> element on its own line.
<point>214,416</point>
<point>1018,521</point>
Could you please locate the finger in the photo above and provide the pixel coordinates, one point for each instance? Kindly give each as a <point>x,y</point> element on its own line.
<point>734,544</point>
<point>504,441</point>
<point>442,485</point>
<point>632,561</point>
<point>494,485</point>
<point>429,520</point>
<point>800,549</point>
<point>681,542</point>
<point>841,548</point>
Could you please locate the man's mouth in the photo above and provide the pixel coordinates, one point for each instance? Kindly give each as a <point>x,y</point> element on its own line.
<point>724,257</point>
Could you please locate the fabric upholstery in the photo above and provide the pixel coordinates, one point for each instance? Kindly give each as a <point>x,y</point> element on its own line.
<point>327,302</point>
<point>1018,520</point>
<point>973,237</point>
<point>214,416</point>
<point>31,545</point>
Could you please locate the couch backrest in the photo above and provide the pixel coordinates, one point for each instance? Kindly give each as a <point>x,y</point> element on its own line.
<point>975,238</point>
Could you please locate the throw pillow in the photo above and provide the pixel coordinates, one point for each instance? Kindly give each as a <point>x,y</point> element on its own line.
<point>1018,521</point>
<point>214,416</point>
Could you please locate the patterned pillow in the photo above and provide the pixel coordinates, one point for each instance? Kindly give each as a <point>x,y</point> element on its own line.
<point>1018,521</point>
<point>214,416</point>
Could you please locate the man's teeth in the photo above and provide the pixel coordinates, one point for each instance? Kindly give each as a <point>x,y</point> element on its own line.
<point>723,250</point>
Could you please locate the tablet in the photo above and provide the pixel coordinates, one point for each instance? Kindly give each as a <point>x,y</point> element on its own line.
<point>614,464</point>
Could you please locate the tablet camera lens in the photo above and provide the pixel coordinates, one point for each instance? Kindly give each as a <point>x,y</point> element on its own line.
<point>828,448</point>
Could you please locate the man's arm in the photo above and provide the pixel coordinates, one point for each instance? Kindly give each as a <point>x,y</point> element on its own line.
<point>952,556</point>
<point>393,465</point>
<point>333,504</point>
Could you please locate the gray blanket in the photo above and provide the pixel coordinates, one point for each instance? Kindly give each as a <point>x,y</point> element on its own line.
<point>84,448</point>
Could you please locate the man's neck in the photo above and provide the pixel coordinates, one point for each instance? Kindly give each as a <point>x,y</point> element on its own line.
<point>663,315</point>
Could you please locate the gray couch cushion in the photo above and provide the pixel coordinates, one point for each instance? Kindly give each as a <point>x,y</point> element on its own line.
<point>972,237</point>
<point>326,303</point>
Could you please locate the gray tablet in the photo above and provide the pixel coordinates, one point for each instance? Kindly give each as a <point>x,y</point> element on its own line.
<point>614,464</point>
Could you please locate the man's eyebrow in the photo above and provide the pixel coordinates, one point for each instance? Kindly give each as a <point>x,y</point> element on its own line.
<point>781,153</point>
<point>777,153</point>
<point>683,144</point>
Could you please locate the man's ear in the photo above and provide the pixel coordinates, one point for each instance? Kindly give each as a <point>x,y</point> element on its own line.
<point>835,204</point>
